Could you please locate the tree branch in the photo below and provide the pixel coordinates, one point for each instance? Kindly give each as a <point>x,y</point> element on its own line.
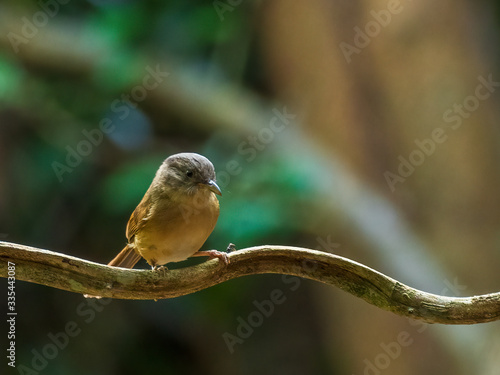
<point>81,276</point>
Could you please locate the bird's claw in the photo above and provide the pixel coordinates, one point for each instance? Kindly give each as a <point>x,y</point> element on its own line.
<point>218,254</point>
<point>159,269</point>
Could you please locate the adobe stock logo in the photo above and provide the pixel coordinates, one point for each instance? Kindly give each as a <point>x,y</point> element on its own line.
<point>122,108</point>
<point>454,118</point>
<point>364,36</point>
<point>256,143</point>
<point>57,342</point>
<point>394,349</point>
<point>222,7</point>
<point>265,308</point>
<point>40,19</point>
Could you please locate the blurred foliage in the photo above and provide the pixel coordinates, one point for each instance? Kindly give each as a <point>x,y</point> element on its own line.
<point>43,116</point>
<point>47,107</point>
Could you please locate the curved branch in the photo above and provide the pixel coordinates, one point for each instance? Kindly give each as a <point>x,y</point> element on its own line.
<point>81,276</point>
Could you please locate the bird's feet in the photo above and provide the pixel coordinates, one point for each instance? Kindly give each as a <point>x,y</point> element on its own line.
<point>212,254</point>
<point>231,247</point>
<point>156,268</point>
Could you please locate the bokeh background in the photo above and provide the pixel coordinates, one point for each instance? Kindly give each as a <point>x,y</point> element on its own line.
<point>362,84</point>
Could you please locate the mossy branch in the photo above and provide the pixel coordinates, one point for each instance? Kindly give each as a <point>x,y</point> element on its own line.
<point>81,276</point>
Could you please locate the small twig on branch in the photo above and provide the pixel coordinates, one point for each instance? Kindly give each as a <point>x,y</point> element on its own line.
<point>81,276</point>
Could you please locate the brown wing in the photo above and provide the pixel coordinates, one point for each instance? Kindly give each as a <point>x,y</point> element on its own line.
<point>139,217</point>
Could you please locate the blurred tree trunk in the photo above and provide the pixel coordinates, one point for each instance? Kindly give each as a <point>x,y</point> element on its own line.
<point>374,107</point>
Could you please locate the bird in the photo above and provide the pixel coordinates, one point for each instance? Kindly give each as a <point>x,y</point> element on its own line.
<point>176,215</point>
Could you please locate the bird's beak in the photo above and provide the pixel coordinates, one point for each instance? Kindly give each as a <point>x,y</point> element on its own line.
<point>214,187</point>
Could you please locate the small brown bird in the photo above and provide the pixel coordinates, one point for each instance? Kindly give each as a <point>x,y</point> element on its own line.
<point>176,215</point>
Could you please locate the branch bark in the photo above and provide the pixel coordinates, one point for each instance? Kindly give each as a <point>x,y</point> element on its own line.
<point>81,276</point>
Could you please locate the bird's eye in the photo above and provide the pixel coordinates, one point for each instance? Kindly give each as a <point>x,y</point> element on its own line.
<point>189,174</point>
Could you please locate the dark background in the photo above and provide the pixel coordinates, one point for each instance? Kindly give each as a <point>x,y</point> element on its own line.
<point>317,181</point>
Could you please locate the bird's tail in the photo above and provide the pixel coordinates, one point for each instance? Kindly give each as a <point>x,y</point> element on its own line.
<point>127,258</point>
